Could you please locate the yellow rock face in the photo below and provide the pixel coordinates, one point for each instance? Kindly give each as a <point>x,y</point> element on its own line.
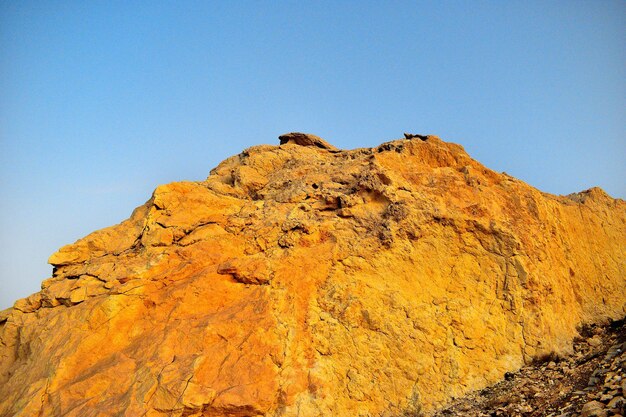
<point>307,281</point>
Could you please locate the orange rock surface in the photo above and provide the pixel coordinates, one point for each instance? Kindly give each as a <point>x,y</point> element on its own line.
<point>304,281</point>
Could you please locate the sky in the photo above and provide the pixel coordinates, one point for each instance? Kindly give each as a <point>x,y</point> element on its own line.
<point>102,101</point>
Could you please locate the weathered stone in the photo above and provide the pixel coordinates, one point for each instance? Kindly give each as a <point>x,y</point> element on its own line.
<point>606,398</point>
<point>595,341</point>
<point>378,281</point>
<point>305,139</point>
<point>593,409</point>
<point>28,304</point>
<point>248,270</point>
<point>616,402</point>
<point>415,136</point>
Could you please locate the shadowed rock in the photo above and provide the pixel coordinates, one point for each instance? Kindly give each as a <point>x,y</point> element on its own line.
<point>415,136</point>
<point>305,139</point>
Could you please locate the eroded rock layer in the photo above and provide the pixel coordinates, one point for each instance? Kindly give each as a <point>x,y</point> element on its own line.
<point>304,280</point>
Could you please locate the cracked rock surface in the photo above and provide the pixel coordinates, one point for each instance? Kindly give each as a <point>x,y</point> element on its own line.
<point>304,280</point>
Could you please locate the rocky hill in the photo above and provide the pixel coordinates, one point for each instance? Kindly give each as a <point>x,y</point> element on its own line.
<point>304,280</point>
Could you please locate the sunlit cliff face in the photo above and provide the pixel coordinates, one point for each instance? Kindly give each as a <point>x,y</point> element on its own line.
<point>305,280</point>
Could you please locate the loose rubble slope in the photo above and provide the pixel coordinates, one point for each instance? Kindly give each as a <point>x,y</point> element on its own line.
<point>590,382</point>
<point>305,280</point>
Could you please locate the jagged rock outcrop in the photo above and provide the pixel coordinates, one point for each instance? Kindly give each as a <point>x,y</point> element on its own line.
<point>305,139</point>
<point>415,136</point>
<point>299,281</point>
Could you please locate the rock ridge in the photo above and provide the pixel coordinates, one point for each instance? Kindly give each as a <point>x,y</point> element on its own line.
<point>308,280</point>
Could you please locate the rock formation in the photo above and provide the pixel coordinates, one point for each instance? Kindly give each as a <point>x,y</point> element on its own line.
<point>297,281</point>
<point>415,136</point>
<point>305,139</point>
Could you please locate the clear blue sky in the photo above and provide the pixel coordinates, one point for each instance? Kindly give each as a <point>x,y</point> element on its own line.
<point>101,101</point>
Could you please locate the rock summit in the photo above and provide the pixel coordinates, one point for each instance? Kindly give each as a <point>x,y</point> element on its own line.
<point>305,139</point>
